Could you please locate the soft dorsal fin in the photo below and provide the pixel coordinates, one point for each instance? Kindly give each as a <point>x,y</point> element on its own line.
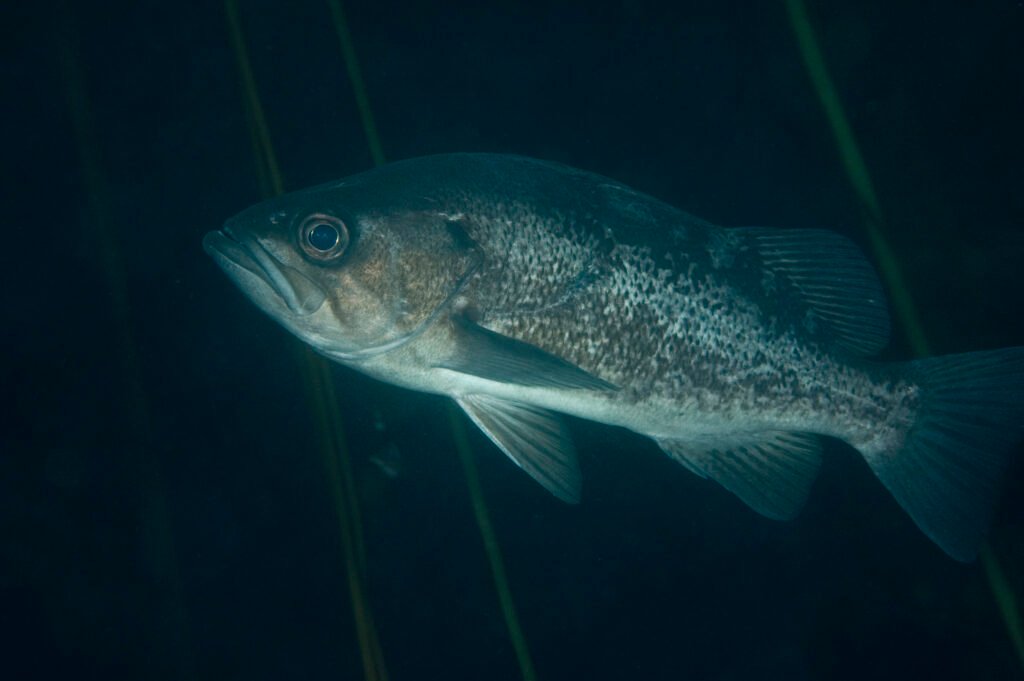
<point>536,439</point>
<point>834,279</point>
<point>771,472</point>
<point>484,353</point>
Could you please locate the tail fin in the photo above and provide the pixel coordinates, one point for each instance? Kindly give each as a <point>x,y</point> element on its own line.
<point>947,475</point>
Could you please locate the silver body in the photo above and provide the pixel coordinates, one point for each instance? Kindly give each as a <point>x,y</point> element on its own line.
<point>526,289</point>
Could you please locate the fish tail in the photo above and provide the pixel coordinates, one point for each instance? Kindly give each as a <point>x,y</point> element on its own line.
<point>948,471</point>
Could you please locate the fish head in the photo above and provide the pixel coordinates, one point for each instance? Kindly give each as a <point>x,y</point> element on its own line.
<point>352,274</point>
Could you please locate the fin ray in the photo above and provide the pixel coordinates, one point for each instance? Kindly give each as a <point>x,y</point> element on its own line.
<point>771,472</point>
<point>833,279</point>
<point>947,474</point>
<point>535,439</point>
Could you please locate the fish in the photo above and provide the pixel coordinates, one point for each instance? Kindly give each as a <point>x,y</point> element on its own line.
<point>528,290</point>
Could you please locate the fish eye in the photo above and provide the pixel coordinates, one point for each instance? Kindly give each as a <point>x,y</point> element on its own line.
<point>323,237</point>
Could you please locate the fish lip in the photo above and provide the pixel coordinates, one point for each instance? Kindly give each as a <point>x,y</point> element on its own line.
<point>247,261</point>
<point>226,249</point>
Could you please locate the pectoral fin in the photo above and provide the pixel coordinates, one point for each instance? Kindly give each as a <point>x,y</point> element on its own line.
<point>536,439</point>
<point>486,354</point>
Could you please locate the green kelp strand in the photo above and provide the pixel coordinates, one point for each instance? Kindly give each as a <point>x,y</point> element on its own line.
<point>355,76</point>
<point>319,388</point>
<point>266,158</point>
<point>491,547</point>
<point>318,381</point>
<point>860,178</point>
<point>170,634</point>
<point>490,540</point>
<point>1005,600</point>
<point>903,306</point>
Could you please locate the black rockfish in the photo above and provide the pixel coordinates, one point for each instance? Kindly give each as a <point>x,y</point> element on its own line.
<point>524,289</point>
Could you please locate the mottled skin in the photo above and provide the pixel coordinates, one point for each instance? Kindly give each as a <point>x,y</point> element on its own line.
<point>672,310</point>
<point>522,288</point>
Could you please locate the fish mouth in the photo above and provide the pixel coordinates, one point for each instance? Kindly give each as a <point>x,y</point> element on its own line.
<point>262,276</point>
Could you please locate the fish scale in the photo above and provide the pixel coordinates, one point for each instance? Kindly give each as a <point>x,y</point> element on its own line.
<point>525,290</point>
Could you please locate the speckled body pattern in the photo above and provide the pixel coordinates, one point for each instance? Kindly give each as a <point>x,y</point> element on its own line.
<point>700,337</point>
<point>676,312</point>
<point>524,289</point>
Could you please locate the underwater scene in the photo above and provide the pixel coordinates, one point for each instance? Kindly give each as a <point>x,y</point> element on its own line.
<point>513,340</point>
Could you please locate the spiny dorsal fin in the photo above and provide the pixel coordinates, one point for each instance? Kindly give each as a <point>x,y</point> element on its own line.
<point>834,279</point>
<point>771,472</point>
<point>536,439</point>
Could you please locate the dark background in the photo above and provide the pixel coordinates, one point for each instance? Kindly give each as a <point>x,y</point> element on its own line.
<point>164,511</point>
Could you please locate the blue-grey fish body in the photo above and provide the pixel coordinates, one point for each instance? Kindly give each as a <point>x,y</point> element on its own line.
<point>525,289</point>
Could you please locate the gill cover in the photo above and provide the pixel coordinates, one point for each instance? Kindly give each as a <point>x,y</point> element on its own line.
<point>348,278</point>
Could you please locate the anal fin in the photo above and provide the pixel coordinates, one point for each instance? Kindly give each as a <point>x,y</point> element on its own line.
<point>772,472</point>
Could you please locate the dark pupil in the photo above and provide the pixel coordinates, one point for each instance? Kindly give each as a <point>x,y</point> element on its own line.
<point>323,237</point>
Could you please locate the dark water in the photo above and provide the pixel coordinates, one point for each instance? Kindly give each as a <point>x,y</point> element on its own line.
<point>164,507</point>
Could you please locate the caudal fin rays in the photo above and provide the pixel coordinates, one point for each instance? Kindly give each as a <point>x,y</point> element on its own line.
<point>948,473</point>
